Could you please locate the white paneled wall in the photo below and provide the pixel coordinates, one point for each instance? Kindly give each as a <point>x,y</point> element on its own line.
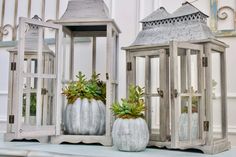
<point>127,14</point>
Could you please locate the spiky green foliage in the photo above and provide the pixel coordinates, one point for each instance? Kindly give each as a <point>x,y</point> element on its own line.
<point>132,107</point>
<point>83,88</point>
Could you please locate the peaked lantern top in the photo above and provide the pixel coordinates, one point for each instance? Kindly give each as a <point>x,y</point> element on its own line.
<point>85,9</point>
<point>187,23</point>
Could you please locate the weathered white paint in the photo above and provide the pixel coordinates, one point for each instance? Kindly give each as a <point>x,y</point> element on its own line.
<point>125,13</point>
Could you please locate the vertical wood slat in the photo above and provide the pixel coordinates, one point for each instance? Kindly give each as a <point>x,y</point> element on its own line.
<point>57,99</point>
<point>57,9</point>
<point>29,9</point>
<point>148,104</point>
<point>43,10</point>
<point>130,74</point>
<point>174,100</point>
<point>183,78</point>
<point>46,86</point>
<point>17,100</point>
<point>10,91</point>
<point>39,83</point>
<point>213,17</point>
<point>163,100</point>
<point>28,94</point>
<point>209,108</point>
<point>189,82</point>
<point>94,55</point>
<point>201,108</point>
<point>14,31</point>
<point>72,55</point>
<point>223,75</point>
<point>2,19</point>
<point>109,64</point>
<point>168,98</point>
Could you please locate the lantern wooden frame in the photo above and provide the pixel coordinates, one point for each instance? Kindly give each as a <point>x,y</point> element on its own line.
<point>170,93</point>
<point>111,32</point>
<point>47,68</point>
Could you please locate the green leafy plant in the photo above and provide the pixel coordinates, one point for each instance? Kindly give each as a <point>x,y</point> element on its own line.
<point>32,104</point>
<point>83,88</point>
<point>132,107</point>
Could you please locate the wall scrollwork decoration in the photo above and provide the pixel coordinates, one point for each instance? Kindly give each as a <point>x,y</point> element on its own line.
<point>221,14</point>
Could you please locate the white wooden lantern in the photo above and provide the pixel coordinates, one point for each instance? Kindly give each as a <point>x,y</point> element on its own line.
<point>178,54</point>
<point>90,19</point>
<point>33,83</point>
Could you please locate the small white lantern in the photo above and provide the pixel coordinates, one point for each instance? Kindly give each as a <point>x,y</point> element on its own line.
<point>32,83</point>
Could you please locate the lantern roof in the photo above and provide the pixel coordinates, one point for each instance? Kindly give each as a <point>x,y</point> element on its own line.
<point>187,23</point>
<point>86,15</point>
<point>86,9</point>
<point>31,40</point>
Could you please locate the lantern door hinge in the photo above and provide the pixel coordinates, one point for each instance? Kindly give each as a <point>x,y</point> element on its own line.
<point>204,61</point>
<point>13,66</point>
<point>206,126</point>
<point>129,66</point>
<point>107,76</point>
<point>11,119</point>
<point>44,91</point>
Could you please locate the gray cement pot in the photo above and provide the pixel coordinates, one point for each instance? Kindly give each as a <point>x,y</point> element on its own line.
<point>183,126</point>
<point>85,117</point>
<point>130,134</point>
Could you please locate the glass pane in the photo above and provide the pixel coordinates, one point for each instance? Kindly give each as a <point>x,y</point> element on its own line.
<point>140,71</point>
<point>155,114</point>
<point>155,75</point>
<point>216,96</point>
<point>185,132</point>
<point>30,100</point>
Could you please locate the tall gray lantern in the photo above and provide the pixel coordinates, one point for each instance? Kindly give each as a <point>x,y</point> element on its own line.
<point>181,59</point>
<point>38,92</point>
<point>89,19</point>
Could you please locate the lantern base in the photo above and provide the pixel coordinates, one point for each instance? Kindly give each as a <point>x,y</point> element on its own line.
<point>88,139</point>
<point>217,146</point>
<point>9,137</point>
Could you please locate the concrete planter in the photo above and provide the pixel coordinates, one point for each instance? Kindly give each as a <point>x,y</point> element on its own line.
<point>85,117</point>
<point>183,126</point>
<point>130,134</point>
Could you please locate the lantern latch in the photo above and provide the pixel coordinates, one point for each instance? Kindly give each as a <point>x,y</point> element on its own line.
<point>129,66</point>
<point>44,91</point>
<point>204,62</point>
<point>13,66</point>
<point>206,125</point>
<point>160,92</point>
<point>11,119</point>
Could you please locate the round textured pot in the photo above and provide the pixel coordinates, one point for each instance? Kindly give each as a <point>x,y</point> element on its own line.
<point>183,126</point>
<point>85,117</point>
<point>130,134</point>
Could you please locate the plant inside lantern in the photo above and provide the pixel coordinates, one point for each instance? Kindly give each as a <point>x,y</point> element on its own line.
<point>85,112</point>
<point>183,120</point>
<point>130,131</point>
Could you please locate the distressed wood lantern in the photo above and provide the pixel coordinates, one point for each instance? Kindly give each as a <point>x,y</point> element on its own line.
<point>33,83</point>
<point>175,57</point>
<point>89,20</point>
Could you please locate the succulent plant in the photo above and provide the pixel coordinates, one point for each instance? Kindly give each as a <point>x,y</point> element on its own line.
<point>83,88</point>
<point>133,106</point>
